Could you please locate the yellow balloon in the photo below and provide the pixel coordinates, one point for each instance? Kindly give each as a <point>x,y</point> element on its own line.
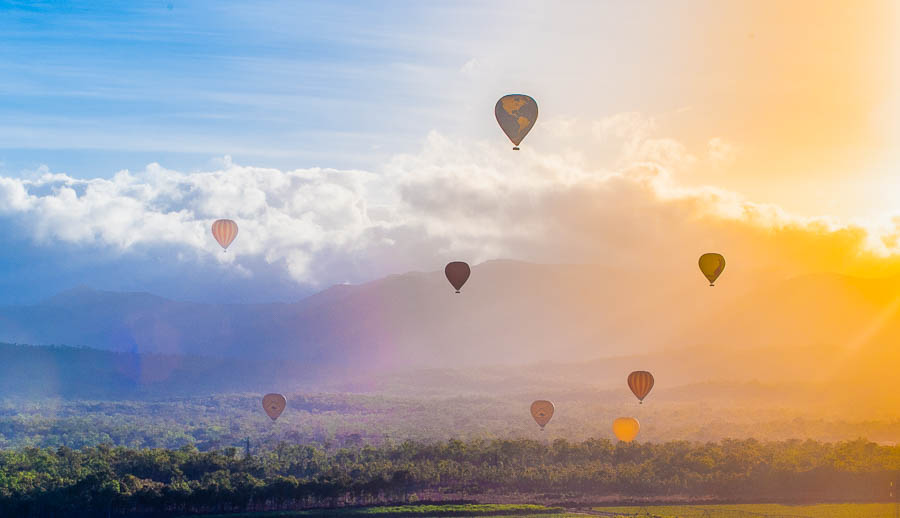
<point>712,265</point>
<point>626,428</point>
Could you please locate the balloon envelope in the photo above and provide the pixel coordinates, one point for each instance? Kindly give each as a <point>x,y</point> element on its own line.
<point>542,411</point>
<point>626,428</point>
<point>516,114</point>
<point>640,382</point>
<point>457,273</point>
<point>711,265</point>
<point>274,405</point>
<point>224,230</point>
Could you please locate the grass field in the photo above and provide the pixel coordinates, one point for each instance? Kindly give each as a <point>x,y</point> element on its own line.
<point>757,511</point>
<point>538,511</point>
<point>414,511</point>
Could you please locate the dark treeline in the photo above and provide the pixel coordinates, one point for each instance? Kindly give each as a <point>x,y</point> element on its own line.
<point>117,481</point>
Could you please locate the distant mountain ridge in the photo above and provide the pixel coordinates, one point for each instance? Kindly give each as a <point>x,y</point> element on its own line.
<point>508,313</point>
<point>85,373</point>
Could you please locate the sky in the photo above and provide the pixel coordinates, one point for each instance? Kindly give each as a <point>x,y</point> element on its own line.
<point>356,140</point>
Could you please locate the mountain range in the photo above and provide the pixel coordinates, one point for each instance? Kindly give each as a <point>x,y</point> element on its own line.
<point>536,317</point>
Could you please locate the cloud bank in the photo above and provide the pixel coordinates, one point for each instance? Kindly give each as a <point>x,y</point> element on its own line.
<point>304,229</point>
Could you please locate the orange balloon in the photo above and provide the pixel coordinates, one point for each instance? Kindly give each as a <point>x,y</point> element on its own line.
<point>626,428</point>
<point>274,405</point>
<point>640,382</point>
<point>542,411</point>
<point>224,230</point>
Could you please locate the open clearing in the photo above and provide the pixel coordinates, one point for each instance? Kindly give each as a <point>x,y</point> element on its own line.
<point>414,511</point>
<point>756,510</point>
<point>535,511</point>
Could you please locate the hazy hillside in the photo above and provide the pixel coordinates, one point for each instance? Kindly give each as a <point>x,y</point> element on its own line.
<point>76,396</point>
<point>509,313</point>
<point>697,376</point>
<point>84,373</point>
<point>80,372</point>
<point>859,313</point>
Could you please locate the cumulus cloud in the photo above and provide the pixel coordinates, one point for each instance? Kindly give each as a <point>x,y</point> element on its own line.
<point>470,67</point>
<point>548,208</point>
<point>635,133</point>
<point>452,200</point>
<point>284,216</point>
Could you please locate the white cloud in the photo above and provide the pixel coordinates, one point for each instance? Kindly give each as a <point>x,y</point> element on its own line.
<point>453,199</point>
<point>470,67</point>
<point>561,127</point>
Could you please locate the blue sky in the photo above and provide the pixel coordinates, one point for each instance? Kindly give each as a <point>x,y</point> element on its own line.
<point>90,88</point>
<point>353,140</point>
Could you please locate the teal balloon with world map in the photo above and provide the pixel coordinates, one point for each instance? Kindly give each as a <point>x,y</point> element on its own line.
<point>516,114</point>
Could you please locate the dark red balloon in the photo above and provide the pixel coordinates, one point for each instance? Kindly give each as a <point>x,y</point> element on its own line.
<point>457,273</point>
<point>640,382</point>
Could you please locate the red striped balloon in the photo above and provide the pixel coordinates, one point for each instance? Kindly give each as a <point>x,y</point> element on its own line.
<point>224,230</point>
<point>640,382</point>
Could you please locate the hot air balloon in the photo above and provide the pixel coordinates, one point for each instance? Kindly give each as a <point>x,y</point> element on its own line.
<point>640,382</point>
<point>274,405</point>
<point>542,411</point>
<point>712,265</point>
<point>457,273</point>
<point>626,428</point>
<point>516,114</point>
<point>224,230</point>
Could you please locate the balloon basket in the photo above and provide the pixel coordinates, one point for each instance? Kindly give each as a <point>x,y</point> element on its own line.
<point>457,291</point>
<point>515,148</point>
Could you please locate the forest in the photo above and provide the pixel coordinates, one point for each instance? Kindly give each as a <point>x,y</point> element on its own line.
<point>119,481</point>
<point>78,397</point>
<point>92,433</point>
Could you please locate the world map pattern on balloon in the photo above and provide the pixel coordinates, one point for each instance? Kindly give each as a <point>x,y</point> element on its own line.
<point>516,114</point>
